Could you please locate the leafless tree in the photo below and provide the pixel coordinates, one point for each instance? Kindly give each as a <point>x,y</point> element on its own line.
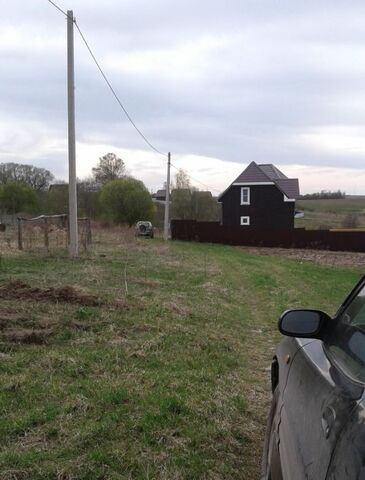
<point>110,167</point>
<point>36,178</point>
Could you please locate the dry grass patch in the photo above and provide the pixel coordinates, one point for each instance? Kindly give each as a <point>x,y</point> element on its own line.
<point>148,282</point>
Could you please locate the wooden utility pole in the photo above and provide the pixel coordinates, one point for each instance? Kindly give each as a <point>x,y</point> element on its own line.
<point>72,189</point>
<point>167,201</point>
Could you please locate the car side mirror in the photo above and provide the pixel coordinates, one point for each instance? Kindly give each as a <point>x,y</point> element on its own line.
<point>303,323</point>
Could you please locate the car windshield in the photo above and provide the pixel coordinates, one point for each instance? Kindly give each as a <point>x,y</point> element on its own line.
<point>347,341</point>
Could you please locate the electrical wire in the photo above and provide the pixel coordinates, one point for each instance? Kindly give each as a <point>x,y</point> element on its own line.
<point>196,180</point>
<point>108,82</point>
<point>115,94</point>
<point>58,8</point>
<point>119,101</point>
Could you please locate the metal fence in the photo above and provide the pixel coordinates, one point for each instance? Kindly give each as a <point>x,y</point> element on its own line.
<point>213,232</point>
<point>50,231</point>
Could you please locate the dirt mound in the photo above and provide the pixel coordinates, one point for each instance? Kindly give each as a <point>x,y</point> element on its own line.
<point>20,290</point>
<point>31,336</point>
<point>19,328</point>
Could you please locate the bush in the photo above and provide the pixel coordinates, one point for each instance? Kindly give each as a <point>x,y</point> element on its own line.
<point>126,200</point>
<point>17,197</point>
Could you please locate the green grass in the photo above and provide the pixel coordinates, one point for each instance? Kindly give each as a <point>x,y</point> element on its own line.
<point>170,382</point>
<point>330,213</point>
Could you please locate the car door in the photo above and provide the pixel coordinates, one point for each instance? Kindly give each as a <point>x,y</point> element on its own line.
<point>348,460</point>
<point>316,403</point>
<point>345,348</point>
<point>318,399</point>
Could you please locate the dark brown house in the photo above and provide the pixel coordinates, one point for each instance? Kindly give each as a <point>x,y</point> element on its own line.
<point>262,196</point>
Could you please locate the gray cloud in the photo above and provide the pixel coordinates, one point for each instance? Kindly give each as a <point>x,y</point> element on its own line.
<point>238,80</point>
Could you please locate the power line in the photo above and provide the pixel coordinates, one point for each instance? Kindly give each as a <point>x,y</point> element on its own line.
<point>108,82</point>
<point>119,101</point>
<point>115,94</point>
<point>58,8</point>
<point>196,180</point>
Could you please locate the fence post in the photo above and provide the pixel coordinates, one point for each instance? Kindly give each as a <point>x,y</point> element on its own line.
<point>83,232</point>
<point>45,226</point>
<point>20,234</point>
<point>88,228</point>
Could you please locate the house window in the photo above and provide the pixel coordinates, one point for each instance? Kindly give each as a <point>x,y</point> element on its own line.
<point>245,220</point>
<point>245,195</point>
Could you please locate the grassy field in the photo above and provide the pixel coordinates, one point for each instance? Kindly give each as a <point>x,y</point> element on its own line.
<point>330,213</point>
<point>155,367</point>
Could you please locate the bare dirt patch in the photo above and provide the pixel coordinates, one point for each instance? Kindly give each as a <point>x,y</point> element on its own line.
<point>30,336</point>
<point>322,257</point>
<point>20,327</point>
<point>13,319</point>
<point>7,318</point>
<point>35,330</point>
<point>18,290</point>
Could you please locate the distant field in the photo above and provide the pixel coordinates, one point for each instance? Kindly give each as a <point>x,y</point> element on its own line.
<point>144,360</point>
<point>330,213</point>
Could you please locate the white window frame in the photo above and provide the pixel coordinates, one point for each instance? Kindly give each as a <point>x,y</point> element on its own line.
<point>245,189</point>
<point>245,221</point>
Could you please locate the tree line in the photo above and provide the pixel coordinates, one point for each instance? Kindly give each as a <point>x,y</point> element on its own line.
<point>324,195</point>
<point>109,194</point>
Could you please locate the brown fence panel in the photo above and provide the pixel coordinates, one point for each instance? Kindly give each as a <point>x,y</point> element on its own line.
<point>213,232</point>
<point>183,230</point>
<point>347,241</point>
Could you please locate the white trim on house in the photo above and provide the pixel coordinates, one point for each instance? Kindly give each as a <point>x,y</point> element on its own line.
<point>253,183</point>
<point>248,201</point>
<point>245,221</point>
<point>286,199</point>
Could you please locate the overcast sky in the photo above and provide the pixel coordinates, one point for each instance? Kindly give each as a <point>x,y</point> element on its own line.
<point>218,84</point>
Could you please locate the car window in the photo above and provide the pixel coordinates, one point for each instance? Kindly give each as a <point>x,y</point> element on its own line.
<point>347,340</point>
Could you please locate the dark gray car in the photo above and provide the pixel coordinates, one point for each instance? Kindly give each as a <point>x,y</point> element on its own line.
<point>316,426</point>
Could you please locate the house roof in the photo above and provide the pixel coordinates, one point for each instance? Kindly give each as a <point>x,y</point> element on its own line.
<point>58,186</point>
<point>264,173</point>
<point>203,193</point>
<point>289,186</point>
<point>271,171</point>
<point>252,174</point>
<point>159,193</point>
<point>81,186</point>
